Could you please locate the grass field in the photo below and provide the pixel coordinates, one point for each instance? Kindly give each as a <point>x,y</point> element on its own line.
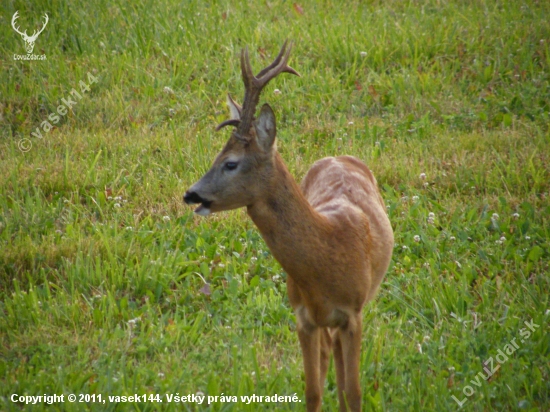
<point>110,285</point>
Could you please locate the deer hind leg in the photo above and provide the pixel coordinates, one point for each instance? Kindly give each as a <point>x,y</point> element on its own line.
<point>349,341</point>
<point>310,341</point>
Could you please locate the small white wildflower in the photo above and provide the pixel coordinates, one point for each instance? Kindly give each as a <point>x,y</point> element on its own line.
<point>221,265</point>
<point>109,197</point>
<point>253,259</point>
<point>350,123</point>
<point>452,238</point>
<point>416,238</point>
<point>132,322</point>
<point>415,198</point>
<point>431,220</point>
<point>101,45</point>
<point>166,218</point>
<point>426,265</point>
<point>527,237</point>
<point>495,216</point>
<point>426,184</point>
<point>423,176</point>
<point>503,239</point>
<point>168,90</point>
<point>129,228</point>
<point>221,247</point>
<point>118,197</point>
<point>161,375</point>
<point>363,54</point>
<point>405,247</point>
<point>277,91</point>
<point>276,278</point>
<point>377,143</point>
<point>426,339</point>
<point>515,216</point>
<point>117,204</point>
<point>404,198</point>
<point>431,214</point>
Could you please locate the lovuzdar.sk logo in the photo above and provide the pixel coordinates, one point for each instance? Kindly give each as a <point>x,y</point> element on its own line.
<point>29,40</point>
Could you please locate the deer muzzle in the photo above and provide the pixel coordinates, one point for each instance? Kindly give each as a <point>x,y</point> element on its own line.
<point>193,198</point>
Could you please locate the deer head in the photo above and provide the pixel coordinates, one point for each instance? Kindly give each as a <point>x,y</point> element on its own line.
<point>241,172</point>
<point>29,40</point>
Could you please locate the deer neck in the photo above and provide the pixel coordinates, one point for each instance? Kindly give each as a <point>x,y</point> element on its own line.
<point>294,232</point>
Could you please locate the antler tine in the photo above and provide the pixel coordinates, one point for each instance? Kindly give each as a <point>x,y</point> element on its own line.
<point>46,20</point>
<point>246,68</point>
<point>15,17</point>
<point>278,66</point>
<point>37,32</point>
<point>230,122</point>
<point>276,61</point>
<point>254,84</point>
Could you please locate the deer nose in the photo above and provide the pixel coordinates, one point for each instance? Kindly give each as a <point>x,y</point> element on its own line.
<point>192,198</point>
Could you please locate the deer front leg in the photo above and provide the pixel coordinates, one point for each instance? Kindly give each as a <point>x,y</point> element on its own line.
<point>310,341</point>
<point>326,345</point>
<point>340,370</point>
<point>350,338</point>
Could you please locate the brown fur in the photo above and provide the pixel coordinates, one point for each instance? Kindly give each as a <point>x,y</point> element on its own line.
<point>335,241</point>
<point>332,236</point>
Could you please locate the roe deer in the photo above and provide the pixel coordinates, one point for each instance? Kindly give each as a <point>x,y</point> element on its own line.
<point>332,236</point>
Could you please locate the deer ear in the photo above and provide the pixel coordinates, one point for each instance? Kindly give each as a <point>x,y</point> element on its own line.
<point>266,128</point>
<point>234,108</point>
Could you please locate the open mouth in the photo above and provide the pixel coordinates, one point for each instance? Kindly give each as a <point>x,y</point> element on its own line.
<point>204,208</point>
<point>193,198</point>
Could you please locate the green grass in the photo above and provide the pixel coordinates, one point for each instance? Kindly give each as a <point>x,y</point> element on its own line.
<point>103,269</point>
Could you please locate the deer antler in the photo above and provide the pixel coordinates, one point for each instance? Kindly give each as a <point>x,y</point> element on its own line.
<point>36,33</point>
<point>254,84</point>
<point>15,17</point>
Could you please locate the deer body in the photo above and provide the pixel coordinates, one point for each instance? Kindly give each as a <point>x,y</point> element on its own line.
<point>332,236</point>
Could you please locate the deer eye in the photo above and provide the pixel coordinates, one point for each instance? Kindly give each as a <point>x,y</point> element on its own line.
<point>230,165</point>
